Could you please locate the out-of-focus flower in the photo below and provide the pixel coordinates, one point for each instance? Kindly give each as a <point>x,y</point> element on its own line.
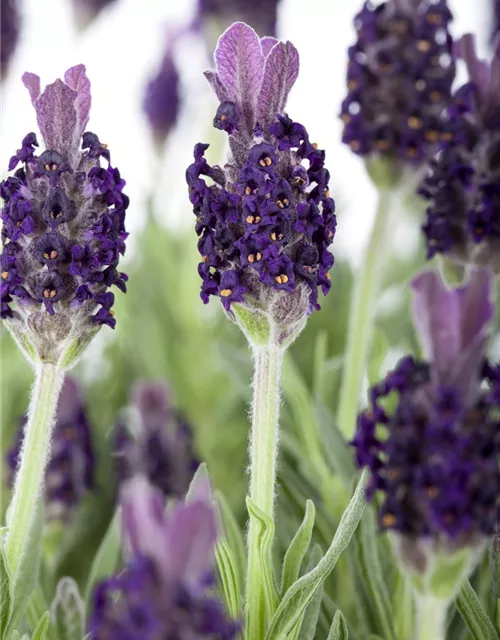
<point>462,185</point>
<point>495,6</point>
<point>399,79</point>
<point>87,10</point>
<point>266,221</point>
<point>259,14</point>
<point>166,588</point>
<point>70,472</point>
<point>63,224</point>
<point>431,434</point>
<point>160,445</point>
<point>9,30</point>
<point>161,98</point>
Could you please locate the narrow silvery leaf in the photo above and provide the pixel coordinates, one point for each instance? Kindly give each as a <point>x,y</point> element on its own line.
<point>302,592</point>
<point>68,610</point>
<point>479,625</point>
<point>309,624</point>
<point>40,633</point>
<point>6,593</point>
<point>226,565</point>
<point>107,556</point>
<point>378,353</point>
<point>298,549</point>
<point>234,537</point>
<point>338,630</point>
<point>266,564</point>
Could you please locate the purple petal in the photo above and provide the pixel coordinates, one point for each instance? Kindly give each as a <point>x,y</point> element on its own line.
<point>216,85</point>
<point>240,65</point>
<point>143,520</point>
<point>76,79</point>
<point>32,82</point>
<point>57,118</point>
<point>190,538</point>
<point>280,72</point>
<point>152,401</point>
<point>267,43</point>
<point>453,325</point>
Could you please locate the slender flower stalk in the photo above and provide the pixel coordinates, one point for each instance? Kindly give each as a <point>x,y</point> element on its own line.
<point>431,618</point>
<point>33,461</point>
<point>362,312</point>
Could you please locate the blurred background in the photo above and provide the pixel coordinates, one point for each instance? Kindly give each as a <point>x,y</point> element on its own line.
<point>163,329</point>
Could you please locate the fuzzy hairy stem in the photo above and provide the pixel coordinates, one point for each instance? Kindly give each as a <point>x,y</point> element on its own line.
<point>263,459</point>
<point>361,316</point>
<point>34,456</point>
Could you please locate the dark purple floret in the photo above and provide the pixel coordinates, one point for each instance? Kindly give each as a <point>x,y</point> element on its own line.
<point>266,219</point>
<point>399,78</point>
<point>166,590</point>
<point>63,213</point>
<point>9,31</point>
<point>70,472</point>
<point>162,97</point>
<point>259,14</point>
<point>431,433</point>
<point>156,442</point>
<point>462,183</point>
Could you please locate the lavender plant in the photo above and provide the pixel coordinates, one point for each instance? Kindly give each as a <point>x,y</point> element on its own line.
<point>10,27</point>
<point>399,78</point>
<point>63,233</point>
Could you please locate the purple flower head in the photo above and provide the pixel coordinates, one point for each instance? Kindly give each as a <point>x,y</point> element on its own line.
<point>259,14</point>
<point>435,456</point>
<point>265,220</point>
<point>10,26</point>
<point>87,10</point>
<point>165,590</point>
<point>70,472</point>
<point>157,443</point>
<point>63,222</point>
<point>462,184</point>
<point>399,78</point>
<point>161,98</point>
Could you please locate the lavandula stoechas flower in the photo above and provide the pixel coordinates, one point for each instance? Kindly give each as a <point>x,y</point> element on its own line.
<point>399,78</point>
<point>70,471</point>
<point>165,590</point>
<point>161,97</point>
<point>463,181</point>
<point>63,225</point>
<point>87,10</point>
<point>9,29</point>
<point>259,14</point>
<point>435,455</point>
<point>265,220</point>
<point>157,443</point>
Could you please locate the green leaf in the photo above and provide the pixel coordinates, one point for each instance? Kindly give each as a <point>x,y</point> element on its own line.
<point>378,353</point>
<point>479,625</point>
<point>373,579</point>
<point>302,592</point>
<point>255,324</point>
<point>448,573</point>
<point>335,447</point>
<point>266,536</point>
<point>234,537</point>
<point>298,549</point>
<point>40,633</point>
<point>68,610</point>
<point>229,578</point>
<point>28,570</point>
<point>107,557</point>
<point>338,630</point>
<point>6,593</point>
<point>309,624</point>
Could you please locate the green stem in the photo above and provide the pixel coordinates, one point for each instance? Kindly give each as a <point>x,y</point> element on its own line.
<point>263,457</point>
<point>361,316</point>
<point>33,460</point>
<point>431,618</point>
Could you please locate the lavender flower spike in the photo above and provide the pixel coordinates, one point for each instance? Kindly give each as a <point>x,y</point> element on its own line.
<point>438,464</point>
<point>63,226</point>
<point>462,184</point>
<point>70,471</point>
<point>267,221</point>
<point>157,443</point>
<point>9,26</point>
<point>399,80</point>
<point>165,590</point>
